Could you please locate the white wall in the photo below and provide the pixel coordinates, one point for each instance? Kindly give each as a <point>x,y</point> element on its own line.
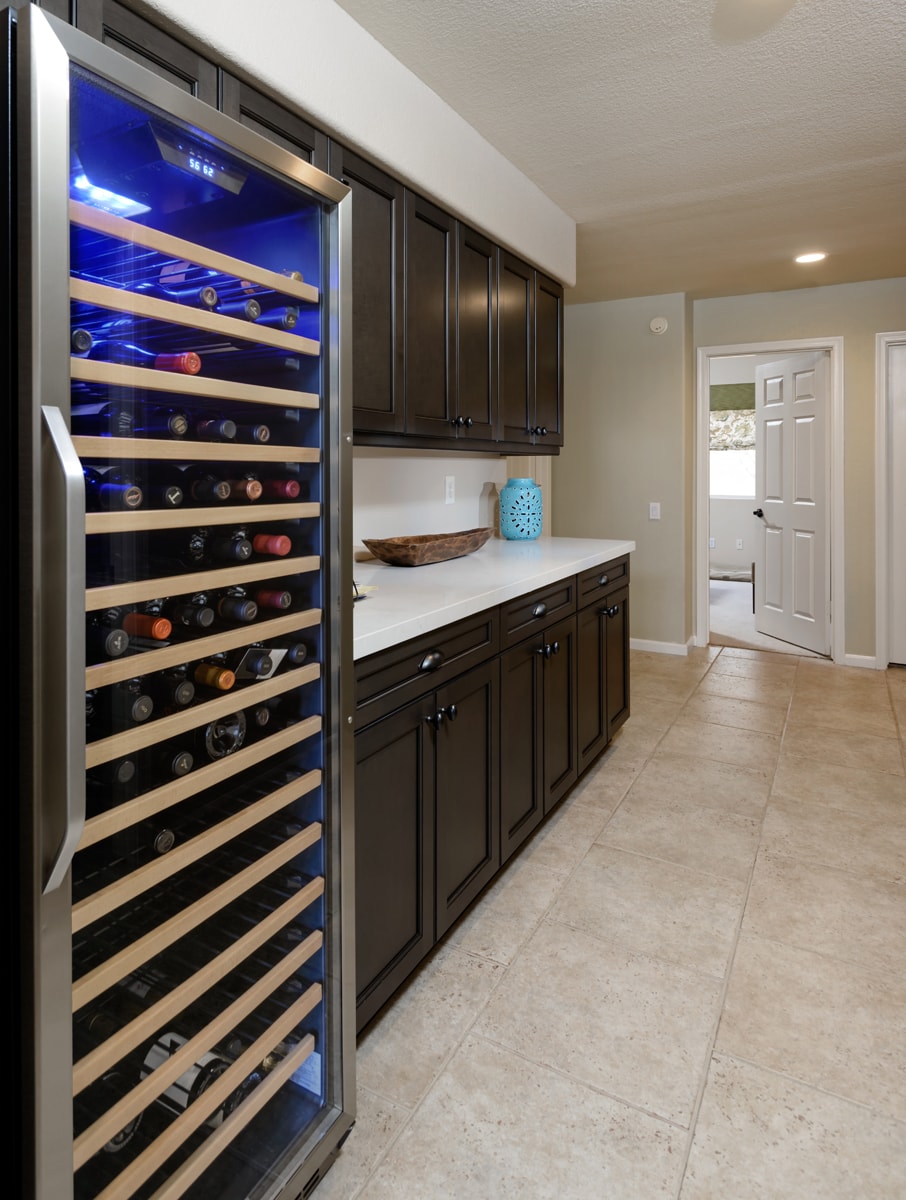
<point>311,54</point>
<point>731,520</point>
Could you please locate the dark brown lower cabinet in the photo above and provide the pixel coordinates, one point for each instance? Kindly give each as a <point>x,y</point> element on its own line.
<point>466,739</point>
<point>538,763</point>
<point>603,671</point>
<point>427,827</point>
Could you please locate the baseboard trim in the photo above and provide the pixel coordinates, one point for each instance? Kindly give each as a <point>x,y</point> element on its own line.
<point>658,647</point>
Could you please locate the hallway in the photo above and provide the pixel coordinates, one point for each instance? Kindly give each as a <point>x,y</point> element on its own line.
<point>689,984</point>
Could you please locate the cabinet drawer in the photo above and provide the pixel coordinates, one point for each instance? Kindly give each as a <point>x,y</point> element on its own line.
<point>535,611</point>
<point>596,582</point>
<point>393,677</point>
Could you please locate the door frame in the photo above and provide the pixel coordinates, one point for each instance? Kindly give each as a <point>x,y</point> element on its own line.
<point>833,479</point>
<point>883,482</point>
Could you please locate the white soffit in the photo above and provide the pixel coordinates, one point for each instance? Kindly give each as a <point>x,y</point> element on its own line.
<point>698,144</point>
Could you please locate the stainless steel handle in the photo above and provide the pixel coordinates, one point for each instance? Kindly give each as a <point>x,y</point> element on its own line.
<point>60,735</point>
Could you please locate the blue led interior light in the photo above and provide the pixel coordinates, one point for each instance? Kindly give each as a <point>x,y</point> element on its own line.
<point>107,201</point>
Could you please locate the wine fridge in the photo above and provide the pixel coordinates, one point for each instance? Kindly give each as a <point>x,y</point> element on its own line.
<point>179,300</point>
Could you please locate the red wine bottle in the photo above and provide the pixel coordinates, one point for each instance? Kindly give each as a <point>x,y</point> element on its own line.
<point>274,598</point>
<point>281,487</point>
<point>110,489</point>
<point>246,487</point>
<point>147,622</point>
<point>276,544</point>
<point>184,362</point>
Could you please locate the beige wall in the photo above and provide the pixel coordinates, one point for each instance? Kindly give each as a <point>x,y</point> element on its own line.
<point>626,439</point>
<point>628,421</point>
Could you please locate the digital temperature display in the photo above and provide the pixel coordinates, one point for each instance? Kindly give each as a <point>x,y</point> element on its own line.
<point>192,159</point>
<point>202,167</point>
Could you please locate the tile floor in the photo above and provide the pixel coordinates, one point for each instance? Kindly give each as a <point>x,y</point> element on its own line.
<point>689,985</point>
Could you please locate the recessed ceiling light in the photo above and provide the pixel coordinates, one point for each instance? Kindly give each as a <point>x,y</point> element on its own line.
<point>814,256</point>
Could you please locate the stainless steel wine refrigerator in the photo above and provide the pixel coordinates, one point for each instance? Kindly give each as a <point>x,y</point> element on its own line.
<point>179,333</point>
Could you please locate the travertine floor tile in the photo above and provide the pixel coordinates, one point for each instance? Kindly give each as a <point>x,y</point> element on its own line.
<point>689,779</point>
<point>877,795</point>
<point>872,715</point>
<point>635,1027</point>
<point>743,747</point>
<point>499,1127</point>
<point>737,713</point>
<point>508,911</point>
<point>744,687</point>
<point>402,1051</point>
<point>844,748</point>
<point>653,907</point>
<point>770,670</point>
<point>564,839</point>
<point>834,838</point>
<point>378,1122</point>
<point>820,1020</point>
<point>829,911</point>
<point>716,842</point>
<point>760,1136</point>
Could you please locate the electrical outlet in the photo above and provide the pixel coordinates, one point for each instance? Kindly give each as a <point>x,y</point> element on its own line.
<point>712,542</point>
<point>449,489</point>
<point>739,543</point>
<point>654,511</point>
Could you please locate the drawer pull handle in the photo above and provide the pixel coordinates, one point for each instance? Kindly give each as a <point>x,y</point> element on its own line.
<point>548,649</point>
<point>540,431</point>
<point>540,609</point>
<point>612,612</point>
<point>602,580</point>
<point>432,660</point>
<point>451,712</point>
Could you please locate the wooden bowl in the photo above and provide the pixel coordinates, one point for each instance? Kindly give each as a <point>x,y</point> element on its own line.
<point>423,548</point>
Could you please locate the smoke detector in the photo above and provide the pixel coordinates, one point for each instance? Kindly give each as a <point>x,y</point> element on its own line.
<point>658,324</point>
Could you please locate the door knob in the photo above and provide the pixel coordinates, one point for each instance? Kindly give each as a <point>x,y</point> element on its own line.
<point>758,512</point>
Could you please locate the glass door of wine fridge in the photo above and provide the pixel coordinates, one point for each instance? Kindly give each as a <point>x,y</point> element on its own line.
<point>186,584</point>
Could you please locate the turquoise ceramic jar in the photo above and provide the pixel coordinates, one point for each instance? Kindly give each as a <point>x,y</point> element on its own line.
<point>520,509</point>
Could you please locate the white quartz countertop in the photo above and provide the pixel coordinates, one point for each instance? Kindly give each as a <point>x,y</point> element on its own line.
<point>403,602</point>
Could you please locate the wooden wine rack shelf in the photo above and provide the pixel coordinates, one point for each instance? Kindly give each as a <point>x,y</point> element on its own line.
<point>183,450</point>
<point>124,230</point>
<point>240,514</point>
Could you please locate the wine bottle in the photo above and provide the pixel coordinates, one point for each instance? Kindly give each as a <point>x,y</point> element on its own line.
<point>253,662</point>
<point>202,485</point>
<point>246,487</point>
<point>116,707</point>
<point>281,487</point>
<point>189,612</point>
<point>214,673</point>
<point>250,363</point>
<point>206,1069</point>
<point>296,651</point>
<point>234,604</point>
<point>114,774</point>
<point>277,545</point>
<point>162,485</point>
<point>170,690</point>
<point>185,362</point>
<point>285,317</point>
<point>100,419</point>
<point>200,296</point>
<point>161,421</point>
<point>105,636</point>
<point>256,433</point>
<point>247,309</point>
<point>193,548</point>
<point>213,429</point>
<point>81,341</point>
<point>111,488</point>
<point>147,622</point>
<point>278,599</point>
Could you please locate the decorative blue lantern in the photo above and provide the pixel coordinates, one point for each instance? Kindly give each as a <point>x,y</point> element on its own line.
<point>520,509</point>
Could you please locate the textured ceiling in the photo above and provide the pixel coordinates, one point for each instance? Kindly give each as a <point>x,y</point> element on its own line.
<point>698,144</point>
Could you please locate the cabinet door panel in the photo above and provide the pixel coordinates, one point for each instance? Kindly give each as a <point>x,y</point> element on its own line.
<point>467,793</point>
<point>521,784</point>
<point>515,305</point>
<point>377,292</point>
<point>148,45</point>
<point>262,114</point>
<point>548,361</point>
<point>617,635</point>
<point>560,769</point>
<point>591,668</point>
<point>394,861</point>
<point>430,319</point>
<point>476,343</point>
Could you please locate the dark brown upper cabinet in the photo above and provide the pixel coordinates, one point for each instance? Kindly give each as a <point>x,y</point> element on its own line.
<point>139,40</point>
<point>530,310</point>
<point>430,325</point>
<point>377,292</point>
<point>476,337</point>
<point>279,125</point>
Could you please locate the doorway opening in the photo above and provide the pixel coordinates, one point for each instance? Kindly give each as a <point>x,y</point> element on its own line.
<point>729,570</point>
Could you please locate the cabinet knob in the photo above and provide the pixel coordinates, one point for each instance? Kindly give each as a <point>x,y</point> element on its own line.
<point>540,431</point>
<point>602,580</point>
<point>462,422</point>
<point>612,612</point>
<point>540,609</point>
<point>432,660</point>
<point>468,422</point>
<point>451,712</point>
<point>436,719</point>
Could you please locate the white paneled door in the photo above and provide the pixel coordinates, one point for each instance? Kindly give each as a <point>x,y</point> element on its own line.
<point>896,562</point>
<point>792,587</point>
